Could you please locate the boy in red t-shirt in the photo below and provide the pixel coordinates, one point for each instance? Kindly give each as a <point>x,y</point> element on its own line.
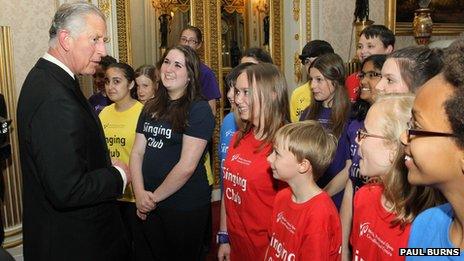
<point>374,39</point>
<point>305,221</point>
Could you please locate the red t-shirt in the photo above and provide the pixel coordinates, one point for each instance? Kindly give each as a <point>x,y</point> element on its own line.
<point>372,236</point>
<point>352,83</point>
<point>249,192</point>
<point>307,231</point>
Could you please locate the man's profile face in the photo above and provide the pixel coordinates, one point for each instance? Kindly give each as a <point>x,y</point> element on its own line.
<point>87,48</point>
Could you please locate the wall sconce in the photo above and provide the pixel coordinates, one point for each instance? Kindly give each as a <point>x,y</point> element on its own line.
<point>171,6</point>
<point>164,6</point>
<point>262,7</point>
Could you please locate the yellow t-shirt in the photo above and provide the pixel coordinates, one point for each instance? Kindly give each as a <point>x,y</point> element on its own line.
<point>119,129</point>
<point>300,100</point>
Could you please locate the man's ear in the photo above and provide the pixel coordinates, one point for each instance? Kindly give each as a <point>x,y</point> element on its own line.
<point>64,39</point>
<point>305,166</point>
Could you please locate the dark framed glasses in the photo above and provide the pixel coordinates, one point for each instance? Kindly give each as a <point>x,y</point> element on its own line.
<point>362,134</point>
<point>411,131</point>
<point>369,75</point>
<point>185,40</point>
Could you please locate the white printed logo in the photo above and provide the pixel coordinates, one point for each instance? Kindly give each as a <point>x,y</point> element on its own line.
<point>384,246</point>
<point>236,157</point>
<point>282,220</point>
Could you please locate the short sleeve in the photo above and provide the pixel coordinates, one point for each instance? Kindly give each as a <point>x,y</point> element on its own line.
<point>140,123</point>
<point>200,121</point>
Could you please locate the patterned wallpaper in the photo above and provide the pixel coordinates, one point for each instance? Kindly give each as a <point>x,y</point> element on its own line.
<point>29,21</point>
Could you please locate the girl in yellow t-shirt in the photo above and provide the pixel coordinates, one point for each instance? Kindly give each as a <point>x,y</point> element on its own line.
<point>119,121</point>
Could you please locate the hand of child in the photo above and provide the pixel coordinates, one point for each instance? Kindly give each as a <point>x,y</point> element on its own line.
<point>224,252</point>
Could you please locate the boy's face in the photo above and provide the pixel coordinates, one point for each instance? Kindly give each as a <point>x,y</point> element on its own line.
<point>367,47</point>
<point>284,164</point>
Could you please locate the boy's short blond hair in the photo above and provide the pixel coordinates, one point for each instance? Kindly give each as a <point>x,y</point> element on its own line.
<point>308,140</point>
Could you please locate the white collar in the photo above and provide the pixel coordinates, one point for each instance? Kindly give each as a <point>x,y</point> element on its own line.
<point>53,59</point>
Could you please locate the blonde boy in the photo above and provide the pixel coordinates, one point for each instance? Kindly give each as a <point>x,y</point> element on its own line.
<point>305,222</point>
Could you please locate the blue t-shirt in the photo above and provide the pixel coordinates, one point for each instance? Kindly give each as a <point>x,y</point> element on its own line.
<point>356,179</point>
<point>341,154</point>
<point>209,83</point>
<point>431,229</point>
<point>228,128</point>
<point>163,151</point>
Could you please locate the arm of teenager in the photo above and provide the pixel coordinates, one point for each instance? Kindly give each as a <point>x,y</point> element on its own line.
<point>346,212</point>
<point>212,104</point>
<point>224,249</point>
<point>61,158</point>
<point>338,183</point>
<point>144,200</point>
<point>192,151</point>
<point>194,140</point>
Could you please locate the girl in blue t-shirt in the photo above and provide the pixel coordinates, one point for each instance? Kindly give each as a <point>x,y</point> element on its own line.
<point>435,154</point>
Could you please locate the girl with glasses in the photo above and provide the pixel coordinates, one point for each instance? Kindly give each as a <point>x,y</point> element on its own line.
<point>384,209</point>
<point>435,156</point>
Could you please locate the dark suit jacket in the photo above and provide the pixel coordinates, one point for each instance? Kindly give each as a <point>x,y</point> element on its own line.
<point>69,185</point>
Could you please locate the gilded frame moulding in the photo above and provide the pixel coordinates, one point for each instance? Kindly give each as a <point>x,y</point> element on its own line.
<point>404,28</point>
<point>12,207</point>
<point>276,10</point>
<point>123,24</point>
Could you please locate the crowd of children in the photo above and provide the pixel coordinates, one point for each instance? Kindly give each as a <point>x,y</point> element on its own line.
<point>350,167</point>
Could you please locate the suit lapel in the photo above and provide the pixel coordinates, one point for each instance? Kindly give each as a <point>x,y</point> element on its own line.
<point>72,84</point>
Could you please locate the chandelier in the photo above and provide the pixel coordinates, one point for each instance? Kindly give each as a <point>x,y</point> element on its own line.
<point>171,6</point>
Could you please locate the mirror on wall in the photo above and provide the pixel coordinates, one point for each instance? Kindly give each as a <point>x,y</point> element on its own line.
<point>155,25</point>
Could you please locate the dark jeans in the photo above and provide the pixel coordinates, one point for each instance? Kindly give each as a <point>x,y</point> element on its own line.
<point>176,235</point>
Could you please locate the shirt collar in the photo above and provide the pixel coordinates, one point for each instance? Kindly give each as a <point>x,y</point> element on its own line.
<point>53,59</point>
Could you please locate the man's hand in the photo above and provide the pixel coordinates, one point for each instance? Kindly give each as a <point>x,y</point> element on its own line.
<point>124,167</point>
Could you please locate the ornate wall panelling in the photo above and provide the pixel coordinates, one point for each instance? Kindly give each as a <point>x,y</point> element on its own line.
<point>12,207</point>
<point>206,16</point>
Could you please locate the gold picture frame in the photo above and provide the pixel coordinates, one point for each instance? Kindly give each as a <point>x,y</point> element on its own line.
<point>405,28</point>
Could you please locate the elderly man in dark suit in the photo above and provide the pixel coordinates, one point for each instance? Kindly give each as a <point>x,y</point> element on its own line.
<point>69,183</point>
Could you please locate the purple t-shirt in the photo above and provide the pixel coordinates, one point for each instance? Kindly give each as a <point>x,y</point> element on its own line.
<point>341,155</point>
<point>209,83</point>
<point>99,102</point>
<point>356,179</point>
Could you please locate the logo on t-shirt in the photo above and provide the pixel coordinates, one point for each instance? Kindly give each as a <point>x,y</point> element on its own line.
<point>365,230</point>
<point>153,132</point>
<point>236,157</point>
<point>282,220</point>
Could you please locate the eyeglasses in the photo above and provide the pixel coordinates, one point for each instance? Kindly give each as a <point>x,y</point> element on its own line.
<point>184,40</point>
<point>411,131</point>
<point>362,134</point>
<point>370,75</point>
